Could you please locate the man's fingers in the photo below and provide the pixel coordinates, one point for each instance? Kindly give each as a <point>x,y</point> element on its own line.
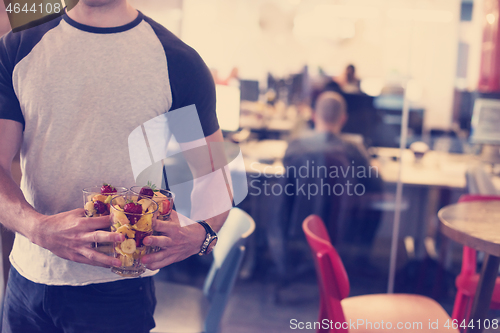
<point>79,212</point>
<point>163,226</point>
<point>100,222</point>
<point>160,241</point>
<point>100,236</point>
<point>160,264</point>
<point>83,260</point>
<point>158,260</point>
<point>99,258</point>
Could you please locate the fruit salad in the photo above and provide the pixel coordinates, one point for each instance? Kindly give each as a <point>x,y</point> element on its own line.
<point>164,198</point>
<point>97,200</point>
<point>133,218</point>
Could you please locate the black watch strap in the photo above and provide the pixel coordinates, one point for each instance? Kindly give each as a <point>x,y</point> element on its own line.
<point>207,227</point>
<point>210,237</point>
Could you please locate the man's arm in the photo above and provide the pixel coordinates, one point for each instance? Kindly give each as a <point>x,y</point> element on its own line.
<point>68,235</point>
<point>179,242</point>
<point>13,202</point>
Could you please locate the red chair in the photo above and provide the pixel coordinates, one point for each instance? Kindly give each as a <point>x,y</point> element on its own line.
<point>375,311</point>
<point>468,278</point>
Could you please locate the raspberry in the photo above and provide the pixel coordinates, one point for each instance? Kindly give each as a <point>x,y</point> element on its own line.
<point>134,211</point>
<point>139,236</point>
<point>107,189</point>
<point>100,207</point>
<point>147,192</point>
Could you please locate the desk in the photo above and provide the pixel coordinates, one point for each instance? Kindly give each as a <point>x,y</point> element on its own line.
<point>436,180</point>
<point>268,120</point>
<point>436,169</point>
<point>476,224</point>
<point>264,157</point>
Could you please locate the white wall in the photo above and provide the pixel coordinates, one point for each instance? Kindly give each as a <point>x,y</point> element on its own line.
<point>258,36</point>
<point>166,12</point>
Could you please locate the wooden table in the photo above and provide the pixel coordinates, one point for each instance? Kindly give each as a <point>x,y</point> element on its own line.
<point>477,225</point>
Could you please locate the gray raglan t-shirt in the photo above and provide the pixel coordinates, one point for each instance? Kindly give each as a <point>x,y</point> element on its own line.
<point>79,91</point>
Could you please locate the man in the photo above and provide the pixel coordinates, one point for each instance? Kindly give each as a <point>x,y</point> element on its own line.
<point>327,147</point>
<point>350,83</point>
<point>329,117</point>
<point>71,91</point>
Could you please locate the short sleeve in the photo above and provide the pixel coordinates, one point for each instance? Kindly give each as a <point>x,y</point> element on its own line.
<point>9,104</point>
<point>192,83</point>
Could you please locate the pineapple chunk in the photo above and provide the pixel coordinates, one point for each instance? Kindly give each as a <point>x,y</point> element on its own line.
<point>89,207</point>
<point>125,230</point>
<point>99,197</point>
<point>145,223</point>
<point>120,201</point>
<point>145,204</point>
<point>120,217</point>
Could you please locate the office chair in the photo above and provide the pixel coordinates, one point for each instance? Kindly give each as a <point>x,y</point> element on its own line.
<point>337,308</point>
<point>286,240</point>
<point>182,308</point>
<point>466,282</point>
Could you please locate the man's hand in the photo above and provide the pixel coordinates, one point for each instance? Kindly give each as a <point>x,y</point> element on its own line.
<point>70,235</point>
<point>176,243</point>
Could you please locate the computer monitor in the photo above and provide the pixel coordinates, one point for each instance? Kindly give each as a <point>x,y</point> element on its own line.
<point>296,88</point>
<point>485,125</point>
<point>485,128</point>
<point>249,90</point>
<point>228,107</point>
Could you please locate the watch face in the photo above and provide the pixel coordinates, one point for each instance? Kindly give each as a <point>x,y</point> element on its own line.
<point>211,245</point>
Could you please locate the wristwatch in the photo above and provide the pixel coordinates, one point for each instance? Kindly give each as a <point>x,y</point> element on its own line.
<point>210,240</point>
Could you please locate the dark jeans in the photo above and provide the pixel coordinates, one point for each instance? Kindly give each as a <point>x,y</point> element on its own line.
<point>122,306</point>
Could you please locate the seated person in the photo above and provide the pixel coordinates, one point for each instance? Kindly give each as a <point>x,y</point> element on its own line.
<point>329,117</point>
<point>349,82</point>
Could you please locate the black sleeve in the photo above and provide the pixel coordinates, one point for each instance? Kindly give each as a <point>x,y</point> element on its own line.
<point>9,104</point>
<point>192,83</point>
<point>190,79</point>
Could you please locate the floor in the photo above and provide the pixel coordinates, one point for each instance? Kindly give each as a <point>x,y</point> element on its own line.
<point>253,309</point>
<point>255,306</point>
